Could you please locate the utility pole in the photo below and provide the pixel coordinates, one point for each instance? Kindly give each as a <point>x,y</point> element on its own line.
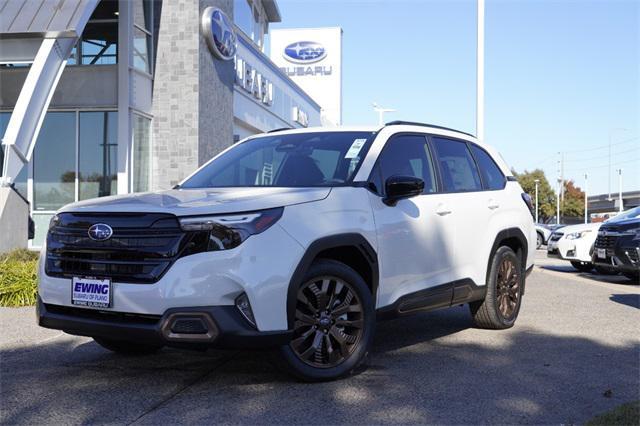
<point>562,178</point>
<point>586,215</point>
<point>558,194</point>
<point>620,208</point>
<point>537,181</point>
<point>480,73</point>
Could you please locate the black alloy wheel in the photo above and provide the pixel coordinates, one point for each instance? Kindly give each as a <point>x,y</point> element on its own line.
<point>508,286</point>
<point>328,322</point>
<point>333,323</point>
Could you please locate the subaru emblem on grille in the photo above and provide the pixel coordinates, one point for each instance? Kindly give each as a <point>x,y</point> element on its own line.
<point>100,232</point>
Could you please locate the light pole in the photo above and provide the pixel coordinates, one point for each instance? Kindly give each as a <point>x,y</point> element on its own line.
<point>537,181</point>
<point>558,203</point>
<point>381,112</point>
<point>586,215</point>
<point>480,73</point>
<point>609,168</point>
<point>620,208</point>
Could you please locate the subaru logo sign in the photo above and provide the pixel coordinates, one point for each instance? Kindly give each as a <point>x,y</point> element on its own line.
<point>100,232</point>
<point>304,52</point>
<point>219,33</point>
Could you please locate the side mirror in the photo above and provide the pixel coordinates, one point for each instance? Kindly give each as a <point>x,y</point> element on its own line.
<point>399,187</point>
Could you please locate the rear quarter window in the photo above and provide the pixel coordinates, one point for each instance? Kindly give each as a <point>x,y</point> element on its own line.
<point>491,174</point>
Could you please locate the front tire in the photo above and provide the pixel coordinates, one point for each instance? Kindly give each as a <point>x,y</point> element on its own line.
<point>582,266</point>
<point>501,305</point>
<point>334,323</point>
<point>126,348</point>
<point>539,240</point>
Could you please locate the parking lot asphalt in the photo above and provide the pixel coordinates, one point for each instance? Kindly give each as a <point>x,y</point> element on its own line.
<point>573,353</point>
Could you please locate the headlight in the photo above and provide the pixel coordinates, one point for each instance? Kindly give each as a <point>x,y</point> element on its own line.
<point>577,235</point>
<point>54,221</point>
<point>225,232</point>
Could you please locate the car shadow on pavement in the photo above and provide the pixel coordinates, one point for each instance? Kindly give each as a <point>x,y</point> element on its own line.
<point>632,300</point>
<point>610,279</point>
<point>426,368</point>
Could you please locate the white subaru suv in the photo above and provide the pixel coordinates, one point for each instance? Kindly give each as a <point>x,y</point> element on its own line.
<point>297,240</point>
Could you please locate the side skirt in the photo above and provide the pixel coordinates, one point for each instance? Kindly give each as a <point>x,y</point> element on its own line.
<point>442,296</point>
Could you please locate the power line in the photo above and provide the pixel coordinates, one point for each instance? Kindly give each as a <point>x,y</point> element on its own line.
<point>600,157</point>
<point>604,165</point>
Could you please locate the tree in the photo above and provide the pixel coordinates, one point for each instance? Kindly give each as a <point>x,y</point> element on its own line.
<point>573,203</point>
<point>546,196</point>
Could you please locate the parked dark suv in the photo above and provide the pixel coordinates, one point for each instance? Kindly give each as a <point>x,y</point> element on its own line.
<point>618,244</point>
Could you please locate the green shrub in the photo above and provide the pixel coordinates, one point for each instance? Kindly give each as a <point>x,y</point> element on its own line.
<point>18,286</point>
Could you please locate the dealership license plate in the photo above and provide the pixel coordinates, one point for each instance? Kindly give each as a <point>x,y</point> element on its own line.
<point>91,292</point>
<point>602,253</point>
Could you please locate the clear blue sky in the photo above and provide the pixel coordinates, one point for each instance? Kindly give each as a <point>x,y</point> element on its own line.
<point>560,75</point>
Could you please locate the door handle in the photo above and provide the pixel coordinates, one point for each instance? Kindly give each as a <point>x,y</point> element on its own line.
<point>442,210</point>
<point>493,205</point>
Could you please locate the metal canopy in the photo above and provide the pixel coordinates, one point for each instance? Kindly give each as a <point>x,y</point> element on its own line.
<point>59,24</point>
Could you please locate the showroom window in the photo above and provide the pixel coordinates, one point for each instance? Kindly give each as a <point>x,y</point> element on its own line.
<point>75,158</point>
<point>54,162</point>
<point>97,171</point>
<point>141,153</point>
<point>142,35</point>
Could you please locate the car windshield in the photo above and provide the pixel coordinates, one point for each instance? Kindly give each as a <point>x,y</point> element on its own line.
<point>289,160</point>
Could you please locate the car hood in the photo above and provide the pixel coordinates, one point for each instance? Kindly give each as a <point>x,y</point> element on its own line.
<point>188,202</point>
<point>579,228</point>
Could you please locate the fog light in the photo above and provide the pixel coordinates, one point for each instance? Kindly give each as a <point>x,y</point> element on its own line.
<point>243,305</point>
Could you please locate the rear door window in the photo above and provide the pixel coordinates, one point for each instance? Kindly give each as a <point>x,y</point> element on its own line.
<point>457,167</point>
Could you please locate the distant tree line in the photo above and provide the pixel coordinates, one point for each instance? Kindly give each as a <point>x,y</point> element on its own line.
<point>572,205</point>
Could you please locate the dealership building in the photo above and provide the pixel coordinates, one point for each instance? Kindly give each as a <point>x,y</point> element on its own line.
<point>116,96</point>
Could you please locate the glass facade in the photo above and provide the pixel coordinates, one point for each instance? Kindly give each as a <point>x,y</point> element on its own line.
<point>75,158</point>
<point>142,35</point>
<point>141,153</point>
<point>249,17</point>
<point>97,152</point>
<point>54,162</point>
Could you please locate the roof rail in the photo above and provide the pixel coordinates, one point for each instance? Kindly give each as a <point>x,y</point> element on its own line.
<point>414,123</point>
<point>279,129</point>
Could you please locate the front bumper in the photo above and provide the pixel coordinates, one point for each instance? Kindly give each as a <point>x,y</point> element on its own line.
<point>573,250</point>
<point>625,257</point>
<point>224,327</point>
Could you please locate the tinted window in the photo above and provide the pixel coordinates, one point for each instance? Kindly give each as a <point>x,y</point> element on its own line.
<point>408,156</point>
<point>458,169</point>
<point>292,160</point>
<point>491,174</point>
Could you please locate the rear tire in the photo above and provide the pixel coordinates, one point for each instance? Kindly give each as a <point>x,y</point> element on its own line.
<point>539,240</point>
<point>334,325</point>
<point>501,305</point>
<point>126,348</point>
<point>582,266</point>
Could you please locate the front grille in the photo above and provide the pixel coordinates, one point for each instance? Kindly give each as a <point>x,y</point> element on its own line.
<point>113,317</point>
<point>141,249</point>
<point>606,242</point>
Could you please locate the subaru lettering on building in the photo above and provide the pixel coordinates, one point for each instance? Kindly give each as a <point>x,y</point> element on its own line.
<point>304,52</point>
